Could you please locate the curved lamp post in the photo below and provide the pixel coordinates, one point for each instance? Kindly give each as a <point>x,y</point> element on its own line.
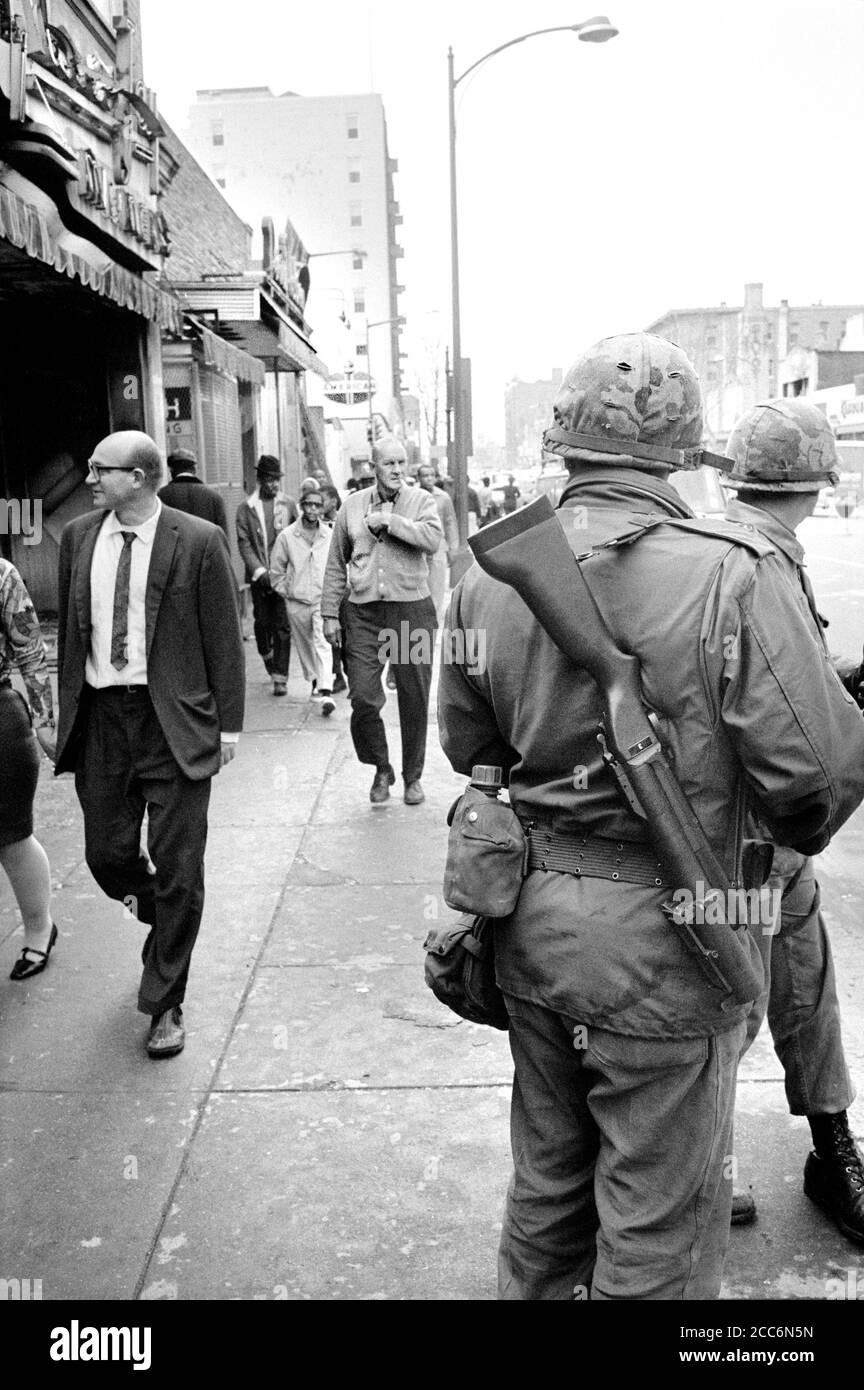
<point>596,30</point>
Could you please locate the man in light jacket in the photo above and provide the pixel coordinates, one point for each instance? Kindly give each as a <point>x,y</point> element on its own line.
<point>297,567</point>
<point>381,543</point>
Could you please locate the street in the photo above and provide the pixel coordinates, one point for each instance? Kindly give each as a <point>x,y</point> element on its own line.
<point>330,1132</point>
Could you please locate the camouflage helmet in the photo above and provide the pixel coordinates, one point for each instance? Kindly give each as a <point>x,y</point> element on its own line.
<point>632,400</point>
<point>783,446</point>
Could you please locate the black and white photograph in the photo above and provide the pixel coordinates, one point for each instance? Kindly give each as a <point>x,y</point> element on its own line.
<point>432,668</point>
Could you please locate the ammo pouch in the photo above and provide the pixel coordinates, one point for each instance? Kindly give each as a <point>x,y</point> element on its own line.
<point>487,855</point>
<point>460,970</point>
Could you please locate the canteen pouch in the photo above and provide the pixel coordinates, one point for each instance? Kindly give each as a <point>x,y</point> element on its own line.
<point>460,970</point>
<point>487,854</point>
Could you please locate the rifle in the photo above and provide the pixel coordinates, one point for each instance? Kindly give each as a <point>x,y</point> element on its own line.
<point>529,551</point>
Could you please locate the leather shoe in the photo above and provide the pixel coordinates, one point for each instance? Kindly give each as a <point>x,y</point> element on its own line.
<point>834,1180</point>
<point>167,1035</point>
<point>383,781</point>
<point>743,1209</point>
<point>414,793</point>
<point>24,968</point>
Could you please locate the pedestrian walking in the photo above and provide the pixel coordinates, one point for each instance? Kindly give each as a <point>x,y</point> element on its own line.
<point>440,562</point>
<point>187,493</point>
<point>151,686</point>
<point>259,520</point>
<point>511,495</point>
<point>784,453</point>
<point>382,539</point>
<point>625,1053</point>
<point>23,730</point>
<point>297,567</point>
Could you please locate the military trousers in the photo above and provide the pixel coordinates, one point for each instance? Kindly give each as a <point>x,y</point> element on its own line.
<point>622,1162</point>
<point>801,993</point>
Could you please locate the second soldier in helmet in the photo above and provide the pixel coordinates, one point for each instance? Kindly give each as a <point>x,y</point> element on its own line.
<point>784,453</point>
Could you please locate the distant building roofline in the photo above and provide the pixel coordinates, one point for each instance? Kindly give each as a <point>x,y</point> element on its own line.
<point>765,309</point>
<point>235,91</point>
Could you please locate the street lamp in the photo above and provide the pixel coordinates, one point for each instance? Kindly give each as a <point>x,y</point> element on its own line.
<point>346,251</point>
<point>595,30</point>
<point>378,323</point>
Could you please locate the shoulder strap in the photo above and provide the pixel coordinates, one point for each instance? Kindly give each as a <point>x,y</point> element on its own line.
<point>631,528</point>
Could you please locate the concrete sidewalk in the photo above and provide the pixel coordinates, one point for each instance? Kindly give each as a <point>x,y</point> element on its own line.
<point>330,1131</point>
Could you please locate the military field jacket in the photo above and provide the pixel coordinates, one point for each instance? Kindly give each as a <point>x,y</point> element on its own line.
<point>751,712</point>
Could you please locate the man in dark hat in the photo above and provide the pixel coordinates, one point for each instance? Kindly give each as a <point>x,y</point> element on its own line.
<point>259,520</point>
<point>188,493</point>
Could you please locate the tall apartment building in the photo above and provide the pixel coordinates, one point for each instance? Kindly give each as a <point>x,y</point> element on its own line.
<point>324,163</point>
<point>527,413</point>
<point>739,351</point>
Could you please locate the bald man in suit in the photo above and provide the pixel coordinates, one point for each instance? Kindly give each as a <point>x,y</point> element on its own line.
<point>151,685</point>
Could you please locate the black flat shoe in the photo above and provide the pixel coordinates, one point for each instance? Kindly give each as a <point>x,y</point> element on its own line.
<point>24,968</point>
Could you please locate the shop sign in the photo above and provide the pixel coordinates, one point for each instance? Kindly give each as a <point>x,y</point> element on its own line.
<point>97,188</point>
<point>854,406</point>
<point>178,418</point>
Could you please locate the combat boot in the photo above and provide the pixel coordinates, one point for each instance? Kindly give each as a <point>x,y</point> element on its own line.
<point>834,1174</point>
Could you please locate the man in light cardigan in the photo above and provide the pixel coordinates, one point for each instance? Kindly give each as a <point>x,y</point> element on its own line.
<point>382,540</point>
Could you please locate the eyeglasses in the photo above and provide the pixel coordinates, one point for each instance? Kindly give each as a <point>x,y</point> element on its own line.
<point>97,469</point>
<point>304,502</point>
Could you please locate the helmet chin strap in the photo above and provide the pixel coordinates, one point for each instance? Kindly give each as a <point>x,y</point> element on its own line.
<point>635,449</point>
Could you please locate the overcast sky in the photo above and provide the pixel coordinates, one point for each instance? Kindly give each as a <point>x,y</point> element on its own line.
<point>712,142</point>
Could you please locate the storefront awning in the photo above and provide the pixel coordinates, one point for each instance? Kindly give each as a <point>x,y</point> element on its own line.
<point>24,226</point>
<point>285,351</point>
<point>224,357</point>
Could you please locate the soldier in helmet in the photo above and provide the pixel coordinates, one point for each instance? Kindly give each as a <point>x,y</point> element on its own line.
<point>783,453</point>
<point>625,1055</point>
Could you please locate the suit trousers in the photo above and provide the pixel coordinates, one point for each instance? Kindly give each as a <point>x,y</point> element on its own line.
<point>404,634</point>
<point>124,768</point>
<point>272,630</point>
<point>621,1149</point>
<point>801,993</point>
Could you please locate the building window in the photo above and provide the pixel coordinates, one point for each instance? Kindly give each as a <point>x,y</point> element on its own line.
<point>353,170</point>
<point>356,215</point>
<point>353,128</point>
<point>793,339</point>
<point>217,133</point>
<point>360,350</point>
<point>711,340</point>
<point>359,301</point>
<point>357,263</point>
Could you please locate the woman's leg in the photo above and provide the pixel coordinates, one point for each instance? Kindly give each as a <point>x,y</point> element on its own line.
<point>26,865</point>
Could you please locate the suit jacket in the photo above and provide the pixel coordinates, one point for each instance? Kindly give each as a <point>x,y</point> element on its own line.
<point>189,494</point>
<point>251,535</point>
<point>195,661</point>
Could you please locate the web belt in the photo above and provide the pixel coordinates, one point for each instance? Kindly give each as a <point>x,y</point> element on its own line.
<point>594,856</point>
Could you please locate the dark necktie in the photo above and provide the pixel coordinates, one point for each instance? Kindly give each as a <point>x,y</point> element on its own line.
<point>120,619</point>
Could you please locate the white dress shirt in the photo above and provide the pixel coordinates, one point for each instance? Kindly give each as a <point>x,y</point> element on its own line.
<point>103,576</point>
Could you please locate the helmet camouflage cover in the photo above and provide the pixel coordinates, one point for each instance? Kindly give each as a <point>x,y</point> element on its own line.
<point>633,399</point>
<point>783,446</point>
